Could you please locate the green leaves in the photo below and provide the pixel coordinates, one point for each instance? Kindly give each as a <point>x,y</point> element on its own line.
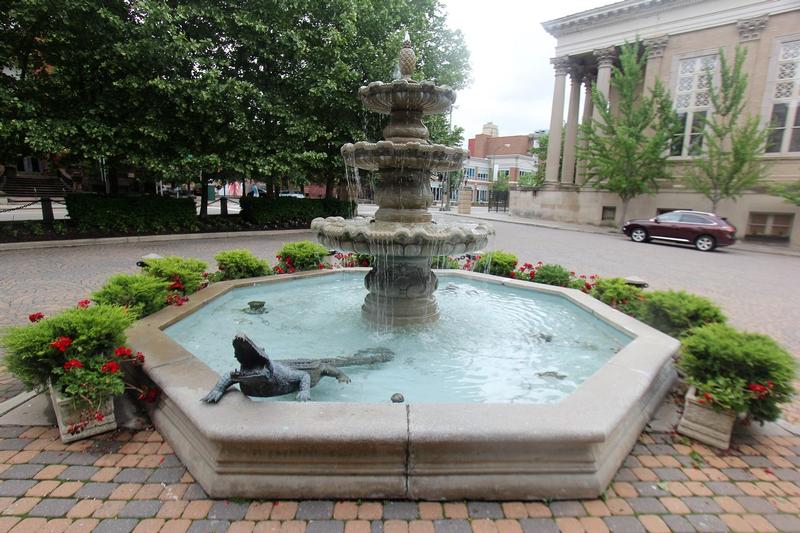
<point>732,144</point>
<point>626,148</point>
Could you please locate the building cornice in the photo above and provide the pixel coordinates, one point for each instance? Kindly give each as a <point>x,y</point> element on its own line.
<point>613,13</point>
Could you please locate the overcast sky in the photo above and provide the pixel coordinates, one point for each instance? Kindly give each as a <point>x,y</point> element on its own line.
<point>512,79</point>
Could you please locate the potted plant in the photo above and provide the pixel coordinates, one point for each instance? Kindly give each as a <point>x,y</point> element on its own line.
<point>80,357</point>
<point>732,375</point>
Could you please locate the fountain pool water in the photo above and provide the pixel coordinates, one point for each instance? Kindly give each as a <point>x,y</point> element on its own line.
<point>530,347</point>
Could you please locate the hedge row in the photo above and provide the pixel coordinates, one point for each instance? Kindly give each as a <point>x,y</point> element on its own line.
<point>131,213</point>
<point>291,212</point>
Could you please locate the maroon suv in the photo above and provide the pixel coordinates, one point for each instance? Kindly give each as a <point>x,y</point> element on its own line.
<point>705,231</point>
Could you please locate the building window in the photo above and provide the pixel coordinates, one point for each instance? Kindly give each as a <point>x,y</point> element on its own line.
<point>482,196</point>
<point>609,213</point>
<point>784,120</point>
<point>692,103</point>
<point>504,172</point>
<point>483,175</point>
<point>469,172</point>
<point>770,226</point>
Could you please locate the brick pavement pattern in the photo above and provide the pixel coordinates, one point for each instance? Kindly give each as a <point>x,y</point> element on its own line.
<point>132,481</point>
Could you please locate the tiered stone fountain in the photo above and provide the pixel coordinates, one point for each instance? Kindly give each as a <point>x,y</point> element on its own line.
<point>402,237</point>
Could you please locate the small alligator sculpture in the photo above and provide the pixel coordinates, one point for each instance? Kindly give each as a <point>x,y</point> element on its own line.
<point>261,377</point>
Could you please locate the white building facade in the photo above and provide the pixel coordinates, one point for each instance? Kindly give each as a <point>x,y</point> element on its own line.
<point>682,39</point>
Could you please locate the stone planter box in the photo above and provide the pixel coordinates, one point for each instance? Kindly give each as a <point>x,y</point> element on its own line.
<point>66,416</point>
<point>704,423</point>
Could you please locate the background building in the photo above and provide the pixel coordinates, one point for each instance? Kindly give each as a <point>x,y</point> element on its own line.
<point>491,156</point>
<point>682,37</point>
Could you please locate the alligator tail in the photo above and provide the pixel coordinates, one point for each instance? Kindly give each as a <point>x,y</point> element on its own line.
<point>366,356</point>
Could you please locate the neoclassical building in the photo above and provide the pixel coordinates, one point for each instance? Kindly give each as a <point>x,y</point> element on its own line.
<point>682,38</point>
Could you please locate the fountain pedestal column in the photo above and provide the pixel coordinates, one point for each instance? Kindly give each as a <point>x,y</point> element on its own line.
<point>400,291</point>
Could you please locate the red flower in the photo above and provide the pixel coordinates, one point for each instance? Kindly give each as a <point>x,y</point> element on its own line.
<point>72,363</point>
<point>176,285</point>
<point>205,274</point>
<point>148,394</point>
<point>111,367</point>
<point>35,317</point>
<point>320,266</point>
<point>123,351</point>
<point>139,360</point>
<point>99,416</point>
<point>83,304</point>
<point>291,269</point>
<point>61,344</point>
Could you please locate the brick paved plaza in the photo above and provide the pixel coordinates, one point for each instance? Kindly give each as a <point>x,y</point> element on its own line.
<point>126,481</point>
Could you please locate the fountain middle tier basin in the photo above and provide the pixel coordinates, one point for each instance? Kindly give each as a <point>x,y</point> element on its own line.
<point>464,439</point>
<point>368,236</point>
<point>409,155</point>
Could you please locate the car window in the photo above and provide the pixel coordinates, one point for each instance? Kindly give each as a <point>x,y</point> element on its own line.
<point>669,217</point>
<point>695,219</point>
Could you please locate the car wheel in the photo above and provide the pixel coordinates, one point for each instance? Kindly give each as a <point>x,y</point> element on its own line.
<point>639,235</point>
<point>705,243</point>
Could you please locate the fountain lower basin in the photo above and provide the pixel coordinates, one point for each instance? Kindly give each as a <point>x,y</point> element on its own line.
<point>268,449</point>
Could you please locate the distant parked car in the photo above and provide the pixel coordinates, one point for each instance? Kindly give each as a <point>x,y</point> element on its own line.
<point>289,194</point>
<point>261,192</point>
<point>705,231</point>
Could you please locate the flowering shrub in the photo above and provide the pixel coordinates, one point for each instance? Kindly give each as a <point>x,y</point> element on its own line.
<point>498,263</point>
<point>716,359</point>
<point>81,352</point>
<point>299,256</point>
<point>554,275</point>
<point>618,293</point>
<point>185,274</point>
<point>351,259</point>
<point>676,312</point>
<point>237,264</point>
<point>141,294</point>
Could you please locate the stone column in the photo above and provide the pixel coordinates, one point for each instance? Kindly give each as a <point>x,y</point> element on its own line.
<point>605,58</point>
<point>571,137</point>
<point>655,53</point>
<point>560,64</point>
<point>586,118</point>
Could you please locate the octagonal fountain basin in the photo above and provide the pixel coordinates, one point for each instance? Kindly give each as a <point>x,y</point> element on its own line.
<point>519,391</point>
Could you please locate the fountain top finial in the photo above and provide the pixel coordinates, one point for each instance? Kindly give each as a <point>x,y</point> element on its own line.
<point>407,59</point>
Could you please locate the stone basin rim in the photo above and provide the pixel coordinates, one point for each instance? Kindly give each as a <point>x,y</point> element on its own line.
<point>585,436</point>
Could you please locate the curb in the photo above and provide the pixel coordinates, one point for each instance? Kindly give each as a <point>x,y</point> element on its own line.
<point>70,243</point>
<point>737,247</point>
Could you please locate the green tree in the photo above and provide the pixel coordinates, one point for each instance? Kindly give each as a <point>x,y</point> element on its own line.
<point>625,150</point>
<point>731,161</point>
<point>789,191</point>
<point>540,151</point>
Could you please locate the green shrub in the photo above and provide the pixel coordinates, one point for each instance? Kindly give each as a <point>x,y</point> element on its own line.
<point>236,264</point>
<point>553,275</point>
<point>141,294</point>
<point>498,263</point>
<point>184,273</point>
<point>143,214</point>
<point>93,331</point>
<point>291,212</point>
<point>351,259</point>
<point>716,351</point>
<point>444,262</point>
<point>301,255</point>
<point>618,293</point>
<point>676,312</point>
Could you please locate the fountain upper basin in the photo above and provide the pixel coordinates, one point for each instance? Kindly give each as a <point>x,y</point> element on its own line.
<point>367,236</point>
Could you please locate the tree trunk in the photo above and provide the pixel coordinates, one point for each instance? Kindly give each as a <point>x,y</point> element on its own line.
<point>329,186</point>
<point>203,195</point>
<point>624,212</point>
<point>271,187</point>
<point>714,203</point>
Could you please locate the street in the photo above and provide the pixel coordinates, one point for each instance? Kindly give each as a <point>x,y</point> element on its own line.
<point>757,290</point>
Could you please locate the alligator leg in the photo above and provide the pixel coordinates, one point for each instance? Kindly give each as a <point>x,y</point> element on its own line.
<point>304,394</point>
<point>332,371</point>
<point>219,389</point>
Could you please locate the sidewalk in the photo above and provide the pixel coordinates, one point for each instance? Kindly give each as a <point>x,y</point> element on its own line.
<point>482,213</point>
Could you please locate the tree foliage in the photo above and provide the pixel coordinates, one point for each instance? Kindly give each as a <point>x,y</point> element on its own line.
<point>625,149</point>
<point>731,161</point>
<point>197,89</point>
<point>789,191</point>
